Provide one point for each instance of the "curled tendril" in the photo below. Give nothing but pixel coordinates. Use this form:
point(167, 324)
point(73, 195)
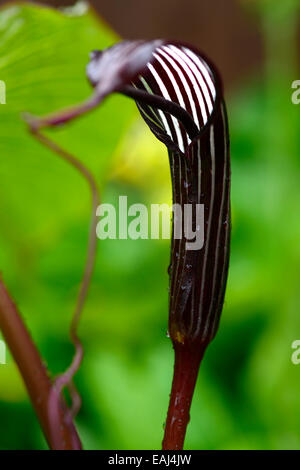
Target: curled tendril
point(56, 402)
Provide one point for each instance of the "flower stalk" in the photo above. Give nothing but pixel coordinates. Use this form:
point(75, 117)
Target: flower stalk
point(35, 375)
point(186, 367)
point(179, 95)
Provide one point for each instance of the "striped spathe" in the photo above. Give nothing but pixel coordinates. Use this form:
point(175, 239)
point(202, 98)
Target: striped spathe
point(200, 170)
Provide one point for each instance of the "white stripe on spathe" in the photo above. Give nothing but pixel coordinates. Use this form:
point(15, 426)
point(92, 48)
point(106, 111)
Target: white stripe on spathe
point(177, 255)
point(167, 96)
point(147, 87)
point(228, 215)
point(198, 75)
point(211, 207)
point(182, 240)
point(199, 175)
point(210, 312)
point(175, 85)
point(185, 84)
point(165, 123)
point(178, 58)
point(203, 69)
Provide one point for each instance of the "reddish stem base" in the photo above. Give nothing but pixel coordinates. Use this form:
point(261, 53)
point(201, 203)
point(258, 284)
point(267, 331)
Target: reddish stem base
point(186, 367)
point(34, 375)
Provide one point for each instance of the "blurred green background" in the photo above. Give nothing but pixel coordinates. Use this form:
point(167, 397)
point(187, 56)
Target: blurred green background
point(247, 396)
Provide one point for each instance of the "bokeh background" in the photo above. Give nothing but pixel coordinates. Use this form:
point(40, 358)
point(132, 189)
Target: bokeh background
point(247, 396)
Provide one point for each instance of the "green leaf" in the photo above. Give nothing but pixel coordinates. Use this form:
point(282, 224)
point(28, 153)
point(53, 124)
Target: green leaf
point(43, 55)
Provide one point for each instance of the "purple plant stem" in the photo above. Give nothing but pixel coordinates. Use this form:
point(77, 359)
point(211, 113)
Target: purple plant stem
point(186, 367)
point(35, 375)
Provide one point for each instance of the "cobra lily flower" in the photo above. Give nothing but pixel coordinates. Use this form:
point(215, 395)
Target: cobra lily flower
point(179, 95)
